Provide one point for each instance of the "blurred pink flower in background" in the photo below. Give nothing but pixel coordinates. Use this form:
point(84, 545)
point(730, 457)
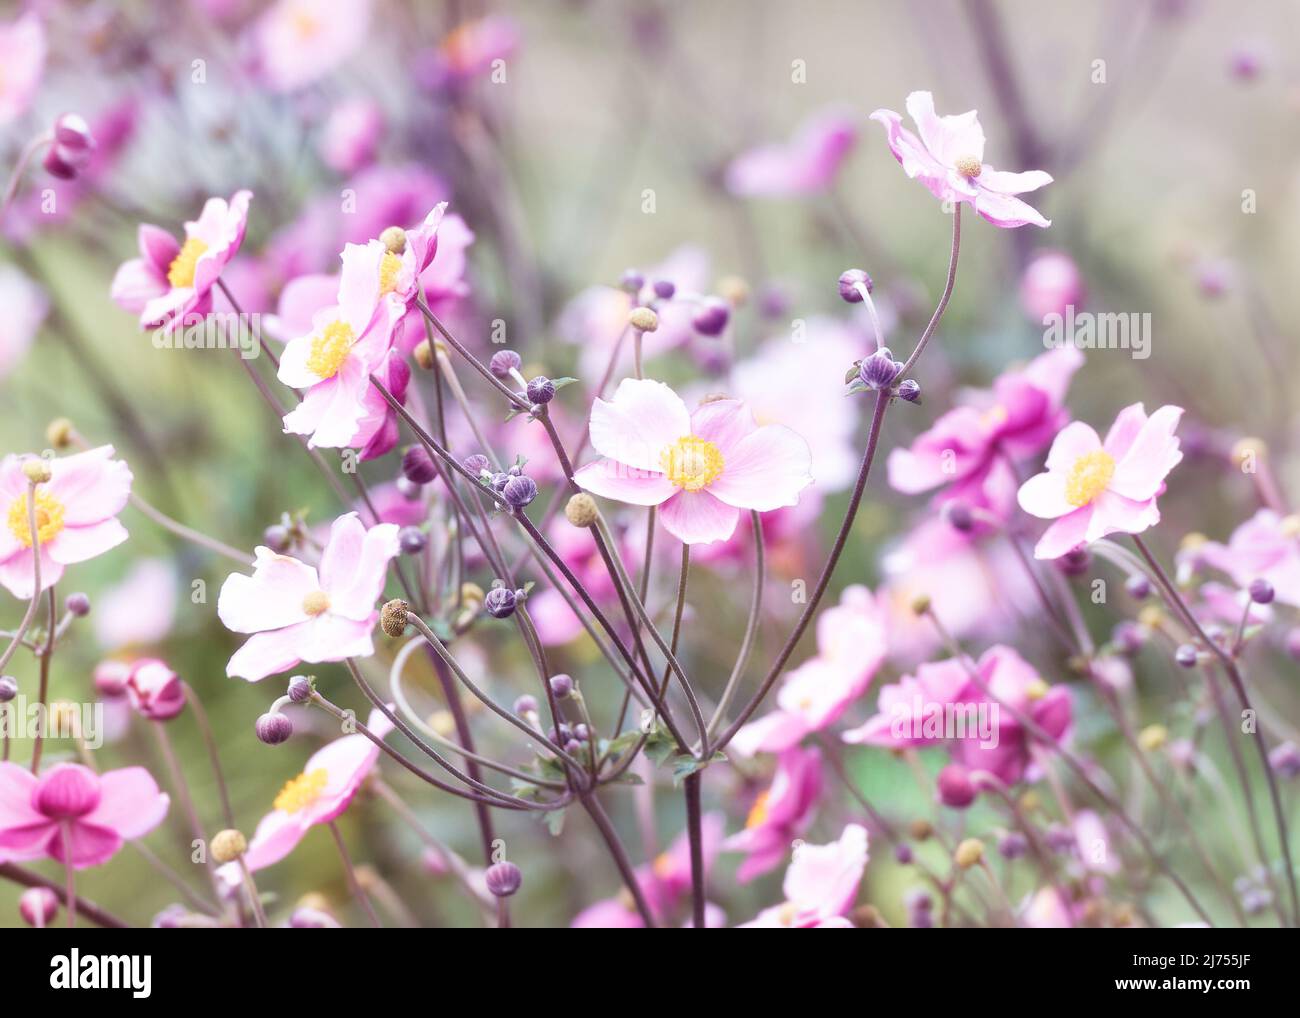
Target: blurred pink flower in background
point(1050, 283)
point(298, 42)
point(74, 816)
point(352, 134)
point(1266, 546)
point(948, 158)
point(25, 307)
point(299, 613)
point(470, 50)
point(820, 885)
point(76, 516)
point(138, 611)
point(806, 164)
point(1092, 489)
point(22, 55)
point(780, 814)
point(700, 468)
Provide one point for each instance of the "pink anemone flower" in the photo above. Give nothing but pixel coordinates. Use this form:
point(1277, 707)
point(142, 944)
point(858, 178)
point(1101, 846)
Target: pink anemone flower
point(1093, 488)
point(73, 815)
point(325, 788)
point(1266, 546)
point(298, 42)
point(806, 164)
point(22, 55)
point(780, 814)
point(297, 612)
point(76, 516)
point(820, 885)
point(171, 284)
point(948, 158)
point(699, 468)
point(25, 307)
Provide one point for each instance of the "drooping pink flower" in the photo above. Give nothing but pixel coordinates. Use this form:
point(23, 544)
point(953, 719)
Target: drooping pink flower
point(850, 648)
point(1092, 489)
point(25, 307)
point(966, 451)
point(664, 882)
point(329, 781)
point(22, 55)
point(820, 885)
point(170, 283)
point(76, 516)
point(780, 814)
point(73, 815)
point(298, 42)
point(156, 692)
point(470, 50)
point(352, 135)
point(1266, 546)
point(804, 165)
point(297, 612)
point(948, 158)
point(700, 468)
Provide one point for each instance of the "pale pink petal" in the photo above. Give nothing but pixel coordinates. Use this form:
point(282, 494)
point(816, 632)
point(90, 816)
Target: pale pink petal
point(269, 599)
point(1044, 495)
point(948, 138)
point(333, 638)
point(135, 284)
point(1004, 182)
point(77, 544)
point(267, 653)
point(1128, 423)
point(765, 470)
point(1074, 440)
point(1066, 534)
point(643, 419)
point(16, 785)
point(91, 485)
point(293, 370)
point(612, 479)
point(130, 803)
point(1005, 211)
point(18, 578)
point(912, 154)
point(158, 248)
point(1114, 513)
point(355, 564)
point(1154, 452)
point(773, 733)
point(696, 517)
point(724, 422)
point(277, 835)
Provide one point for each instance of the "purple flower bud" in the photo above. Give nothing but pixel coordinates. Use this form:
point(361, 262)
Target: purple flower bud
point(903, 853)
point(503, 879)
point(59, 163)
point(1012, 845)
point(500, 602)
point(1293, 644)
point(299, 689)
point(1261, 591)
point(503, 362)
point(632, 281)
point(573, 747)
point(476, 464)
point(518, 491)
point(526, 705)
point(955, 787)
point(849, 280)
point(306, 918)
point(712, 317)
point(156, 692)
point(1060, 838)
point(110, 678)
point(407, 488)
point(8, 688)
point(1138, 587)
point(170, 918)
point(411, 540)
point(910, 390)
point(541, 389)
point(274, 728)
point(1185, 655)
point(1075, 562)
point(664, 289)
point(921, 920)
point(959, 516)
point(77, 604)
point(66, 791)
point(1127, 637)
point(917, 899)
point(1285, 759)
point(879, 370)
point(418, 466)
point(277, 538)
point(73, 133)
point(38, 906)
point(561, 685)
point(581, 732)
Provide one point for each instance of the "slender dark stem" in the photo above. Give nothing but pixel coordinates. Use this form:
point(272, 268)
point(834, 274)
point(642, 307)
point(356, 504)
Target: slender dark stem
point(616, 849)
point(354, 885)
point(695, 834)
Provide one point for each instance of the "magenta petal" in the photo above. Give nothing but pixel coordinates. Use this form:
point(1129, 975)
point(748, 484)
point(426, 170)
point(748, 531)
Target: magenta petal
point(130, 803)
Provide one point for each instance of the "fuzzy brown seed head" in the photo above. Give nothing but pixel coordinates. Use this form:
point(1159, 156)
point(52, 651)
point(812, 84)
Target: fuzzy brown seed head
point(59, 433)
point(1152, 616)
point(36, 470)
point(1153, 737)
point(471, 595)
point(968, 166)
point(394, 238)
point(392, 617)
point(423, 354)
point(228, 845)
point(868, 917)
point(969, 853)
point(643, 320)
point(581, 510)
point(920, 604)
point(921, 829)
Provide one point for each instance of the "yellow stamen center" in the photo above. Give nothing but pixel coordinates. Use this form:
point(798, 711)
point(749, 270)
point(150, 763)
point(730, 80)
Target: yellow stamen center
point(389, 266)
point(663, 865)
point(49, 518)
point(330, 349)
point(786, 916)
point(994, 417)
point(968, 166)
point(1088, 477)
point(304, 23)
point(300, 792)
point(692, 463)
point(316, 603)
point(758, 812)
point(181, 271)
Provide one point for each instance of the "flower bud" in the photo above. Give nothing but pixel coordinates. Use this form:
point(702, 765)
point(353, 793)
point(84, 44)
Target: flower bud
point(306, 918)
point(849, 281)
point(921, 829)
point(541, 389)
point(1284, 758)
point(1293, 644)
point(921, 604)
point(77, 605)
point(969, 853)
point(503, 879)
point(1128, 637)
point(581, 510)
point(1153, 737)
point(424, 354)
point(526, 705)
point(909, 389)
point(1138, 587)
point(903, 854)
point(36, 470)
point(955, 787)
point(66, 791)
point(476, 463)
point(61, 163)
point(392, 617)
point(273, 728)
point(1261, 591)
point(8, 688)
point(712, 317)
point(879, 370)
point(1075, 562)
point(500, 602)
point(300, 689)
point(561, 685)
point(277, 538)
point(664, 289)
point(503, 362)
point(111, 676)
point(59, 433)
point(518, 491)
point(72, 133)
point(632, 281)
point(394, 239)
point(38, 906)
point(156, 692)
point(418, 465)
point(959, 516)
point(643, 319)
point(1012, 845)
point(734, 290)
point(1186, 655)
point(228, 845)
point(411, 540)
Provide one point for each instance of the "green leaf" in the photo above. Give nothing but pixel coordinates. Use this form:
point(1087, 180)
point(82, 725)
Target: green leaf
point(685, 766)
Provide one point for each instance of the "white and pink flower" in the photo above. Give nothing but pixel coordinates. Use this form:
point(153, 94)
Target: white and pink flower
point(820, 885)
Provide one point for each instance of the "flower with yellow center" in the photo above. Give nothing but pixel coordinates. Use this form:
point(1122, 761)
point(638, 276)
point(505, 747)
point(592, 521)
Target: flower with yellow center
point(330, 349)
point(968, 166)
point(300, 792)
point(1089, 477)
point(759, 811)
point(316, 603)
point(49, 518)
point(692, 463)
point(389, 266)
point(181, 271)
